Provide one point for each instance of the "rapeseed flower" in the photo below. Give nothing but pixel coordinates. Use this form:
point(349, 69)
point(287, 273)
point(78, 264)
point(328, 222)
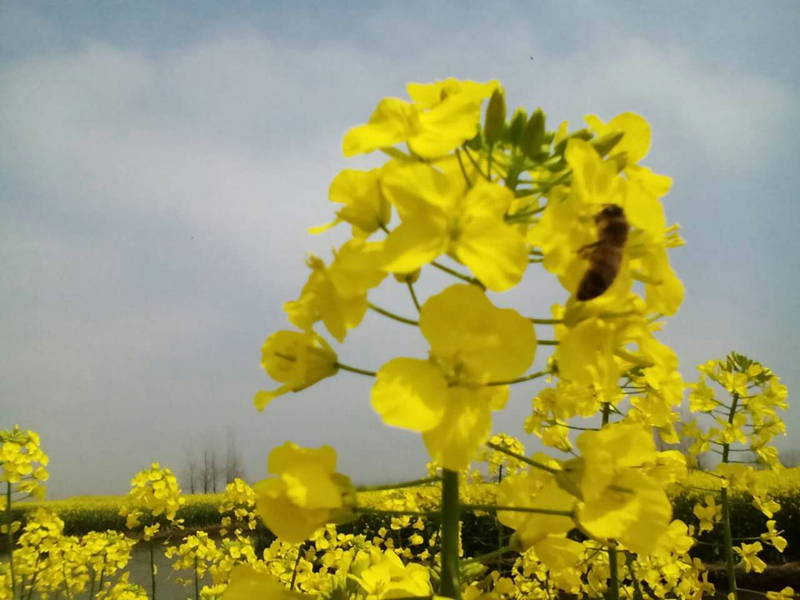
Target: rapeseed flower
point(616, 496)
point(365, 206)
point(443, 116)
point(298, 360)
point(440, 215)
point(445, 397)
point(337, 295)
point(305, 494)
point(247, 583)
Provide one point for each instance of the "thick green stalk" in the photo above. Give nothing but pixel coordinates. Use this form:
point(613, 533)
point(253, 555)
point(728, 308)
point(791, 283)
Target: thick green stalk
point(612, 548)
point(730, 567)
point(613, 567)
point(397, 486)
point(196, 581)
point(10, 541)
point(450, 585)
point(726, 528)
point(153, 567)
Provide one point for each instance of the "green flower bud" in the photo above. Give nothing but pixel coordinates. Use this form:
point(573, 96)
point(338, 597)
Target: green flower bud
point(474, 143)
point(407, 277)
point(620, 160)
point(518, 120)
point(533, 136)
point(605, 143)
point(581, 134)
point(495, 117)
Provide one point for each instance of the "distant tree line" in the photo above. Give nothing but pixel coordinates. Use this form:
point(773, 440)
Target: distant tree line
point(207, 470)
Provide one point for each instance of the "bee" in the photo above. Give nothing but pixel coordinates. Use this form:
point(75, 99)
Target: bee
point(605, 255)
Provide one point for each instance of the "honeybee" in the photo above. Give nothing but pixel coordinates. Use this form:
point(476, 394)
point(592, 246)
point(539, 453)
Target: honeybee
point(605, 255)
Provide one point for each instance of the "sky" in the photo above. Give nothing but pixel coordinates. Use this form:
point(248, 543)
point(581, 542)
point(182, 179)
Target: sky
point(161, 161)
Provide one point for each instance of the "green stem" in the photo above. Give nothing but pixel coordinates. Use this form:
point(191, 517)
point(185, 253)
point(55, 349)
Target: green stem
point(153, 567)
point(395, 153)
point(606, 412)
point(394, 513)
point(391, 315)
point(196, 581)
point(524, 459)
point(614, 568)
point(413, 294)
point(547, 342)
point(33, 579)
point(10, 541)
point(296, 565)
point(726, 527)
point(339, 365)
point(545, 321)
point(726, 513)
point(455, 273)
point(488, 556)
point(521, 379)
point(637, 589)
point(397, 486)
point(523, 509)
point(522, 215)
point(463, 170)
point(91, 585)
point(450, 585)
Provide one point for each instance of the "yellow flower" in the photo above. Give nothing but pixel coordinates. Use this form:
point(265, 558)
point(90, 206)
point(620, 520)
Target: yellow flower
point(786, 593)
point(445, 398)
point(337, 295)
point(388, 577)
point(539, 491)
point(306, 494)
point(248, 584)
point(749, 554)
point(561, 556)
point(445, 116)
point(702, 396)
point(365, 206)
point(440, 216)
point(298, 360)
point(773, 537)
point(619, 501)
point(567, 225)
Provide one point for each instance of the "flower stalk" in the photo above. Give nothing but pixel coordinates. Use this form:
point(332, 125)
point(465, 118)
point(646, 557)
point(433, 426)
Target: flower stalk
point(450, 585)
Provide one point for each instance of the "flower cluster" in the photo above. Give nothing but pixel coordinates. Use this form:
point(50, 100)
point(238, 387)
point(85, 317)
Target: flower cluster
point(154, 492)
point(22, 462)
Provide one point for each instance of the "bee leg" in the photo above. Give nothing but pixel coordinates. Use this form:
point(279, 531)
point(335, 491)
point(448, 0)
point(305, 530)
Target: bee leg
point(587, 250)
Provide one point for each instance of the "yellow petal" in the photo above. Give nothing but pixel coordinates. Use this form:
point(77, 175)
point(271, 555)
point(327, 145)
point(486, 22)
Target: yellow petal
point(464, 428)
point(496, 344)
point(409, 393)
point(283, 458)
point(393, 121)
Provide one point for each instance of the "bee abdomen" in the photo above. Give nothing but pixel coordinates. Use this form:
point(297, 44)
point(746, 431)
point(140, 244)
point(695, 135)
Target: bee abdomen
point(595, 282)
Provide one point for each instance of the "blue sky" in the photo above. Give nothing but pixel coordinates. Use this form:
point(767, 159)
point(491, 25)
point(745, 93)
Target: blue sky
point(161, 162)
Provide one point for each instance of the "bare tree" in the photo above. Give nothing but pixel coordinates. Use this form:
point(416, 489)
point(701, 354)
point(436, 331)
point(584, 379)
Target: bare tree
point(214, 467)
point(233, 458)
point(191, 472)
point(790, 458)
point(206, 475)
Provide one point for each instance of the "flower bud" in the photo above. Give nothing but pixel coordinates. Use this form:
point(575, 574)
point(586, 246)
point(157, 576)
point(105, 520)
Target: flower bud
point(605, 143)
point(581, 134)
point(495, 117)
point(517, 126)
point(533, 136)
point(407, 277)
